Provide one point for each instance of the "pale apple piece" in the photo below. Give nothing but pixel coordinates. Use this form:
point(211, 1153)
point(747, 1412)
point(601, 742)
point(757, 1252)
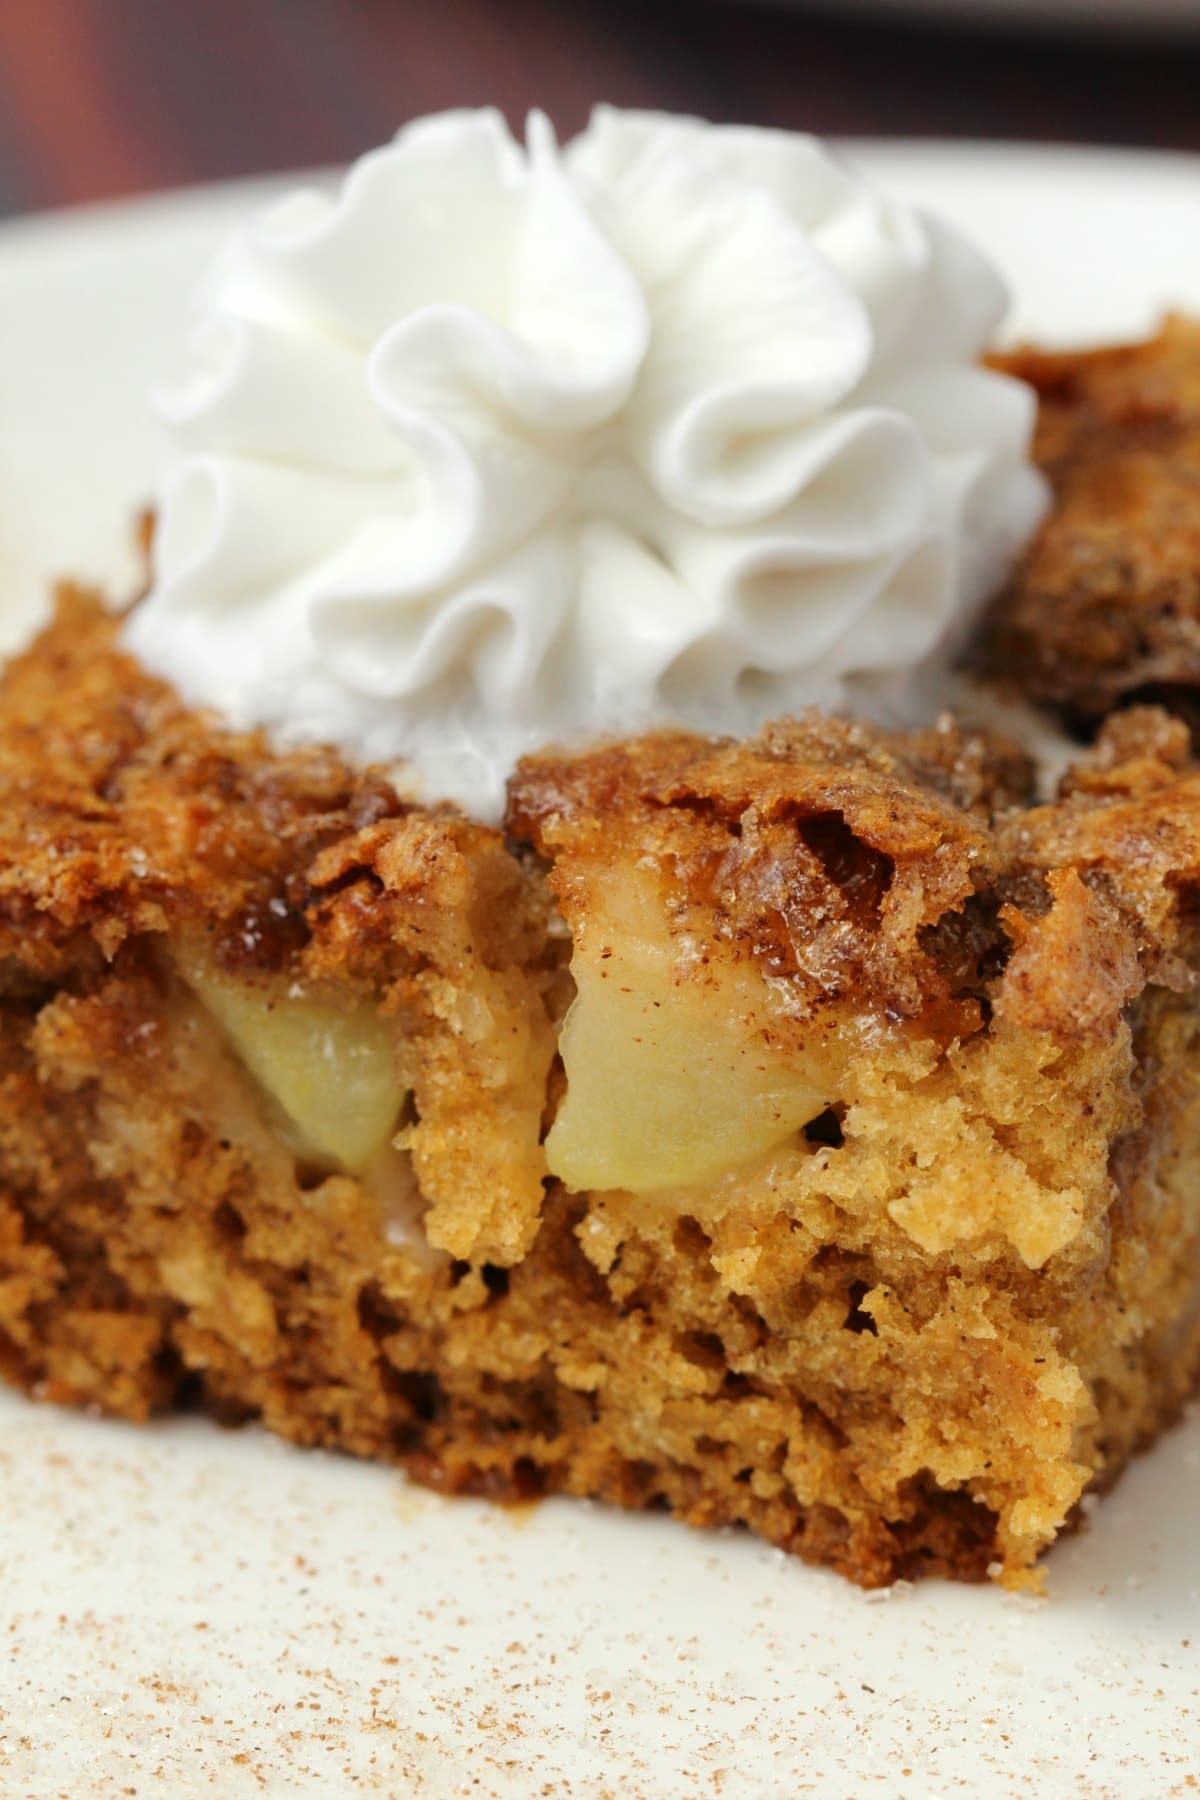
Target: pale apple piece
point(331, 1069)
point(679, 1067)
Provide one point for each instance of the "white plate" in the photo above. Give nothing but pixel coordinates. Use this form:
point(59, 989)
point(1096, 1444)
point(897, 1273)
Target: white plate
point(188, 1612)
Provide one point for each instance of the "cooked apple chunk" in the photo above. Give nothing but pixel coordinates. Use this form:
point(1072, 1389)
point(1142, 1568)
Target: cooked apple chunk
point(678, 1067)
point(332, 1069)
point(747, 927)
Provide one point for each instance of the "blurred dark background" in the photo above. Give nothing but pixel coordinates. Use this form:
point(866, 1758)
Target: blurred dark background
point(107, 97)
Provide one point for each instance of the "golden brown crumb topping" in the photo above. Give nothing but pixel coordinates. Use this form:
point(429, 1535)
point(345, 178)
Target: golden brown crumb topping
point(1129, 825)
point(858, 861)
point(825, 847)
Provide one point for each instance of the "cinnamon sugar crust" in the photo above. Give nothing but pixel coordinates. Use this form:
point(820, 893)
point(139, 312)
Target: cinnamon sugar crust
point(823, 849)
point(1105, 606)
point(905, 1335)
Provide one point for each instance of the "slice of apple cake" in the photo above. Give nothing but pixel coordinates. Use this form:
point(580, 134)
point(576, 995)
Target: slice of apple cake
point(800, 1133)
point(1104, 607)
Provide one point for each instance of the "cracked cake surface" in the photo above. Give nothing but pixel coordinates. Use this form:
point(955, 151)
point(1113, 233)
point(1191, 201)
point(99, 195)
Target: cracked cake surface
point(345, 1114)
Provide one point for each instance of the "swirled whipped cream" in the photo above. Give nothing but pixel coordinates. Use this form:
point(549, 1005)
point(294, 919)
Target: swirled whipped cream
point(507, 444)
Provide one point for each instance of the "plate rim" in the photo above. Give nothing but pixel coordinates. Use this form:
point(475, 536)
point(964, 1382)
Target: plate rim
point(983, 152)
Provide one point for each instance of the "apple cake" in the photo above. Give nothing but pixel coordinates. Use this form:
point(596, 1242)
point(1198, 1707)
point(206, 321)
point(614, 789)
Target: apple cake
point(443, 1017)
point(798, 1132)
point(1104, 608)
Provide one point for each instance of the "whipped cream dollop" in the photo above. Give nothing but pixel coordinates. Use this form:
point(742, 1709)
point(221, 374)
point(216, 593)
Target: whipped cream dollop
point(510, 444)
